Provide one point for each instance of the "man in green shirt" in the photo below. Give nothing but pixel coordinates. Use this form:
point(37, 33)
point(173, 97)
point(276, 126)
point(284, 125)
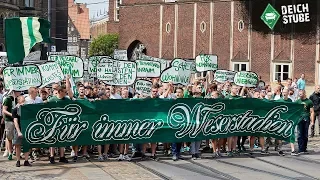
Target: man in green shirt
point(8, 105)
point(303, 126)
point(61, 96)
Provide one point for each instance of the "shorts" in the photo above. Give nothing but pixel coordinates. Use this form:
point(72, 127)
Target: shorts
point(9, 126)
point(16, 139)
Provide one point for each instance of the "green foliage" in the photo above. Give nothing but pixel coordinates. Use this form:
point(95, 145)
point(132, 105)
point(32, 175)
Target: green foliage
point(104, 45)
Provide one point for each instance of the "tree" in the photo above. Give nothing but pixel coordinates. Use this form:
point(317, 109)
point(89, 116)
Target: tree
point(104, 45)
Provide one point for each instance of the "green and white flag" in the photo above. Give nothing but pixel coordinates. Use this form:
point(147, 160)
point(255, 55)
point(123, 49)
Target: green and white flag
point(22, 33)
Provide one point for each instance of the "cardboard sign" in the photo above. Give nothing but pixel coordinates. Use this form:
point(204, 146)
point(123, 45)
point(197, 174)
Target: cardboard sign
point(143, 87)
point(120, 55)
point(223, 76)
point(179, 72)
point(124, 73)
point(51, 73)
point(246, 79)
point(206, 63)
point(164, 63)
point(69, 63)
point(148, 68)
point(93, 63)
point(21, 78)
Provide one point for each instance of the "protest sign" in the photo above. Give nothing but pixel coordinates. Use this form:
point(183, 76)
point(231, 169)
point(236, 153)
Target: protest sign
point(22, 78)
point(66, 62)
point(67, 123)
point(143, 87)
point(206, 63)
point(192, 65)
point(179, 72)
point(164, 63)
point(124, 73)
point(120, 54)
point(246, 79)
point(148, 68)
point(93, 63)
point(223, 76)
point(51, 73)
point(105, 71)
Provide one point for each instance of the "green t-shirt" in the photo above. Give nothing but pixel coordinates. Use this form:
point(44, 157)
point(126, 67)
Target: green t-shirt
point(9, 103)
point(283, 100)
point(307, 106)
point(186, 94)
point(56, 99)
point(232, 97)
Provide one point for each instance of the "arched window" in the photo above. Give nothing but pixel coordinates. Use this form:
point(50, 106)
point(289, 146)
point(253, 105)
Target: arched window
point(203, 26)
point(240, 25)
point(168, 27)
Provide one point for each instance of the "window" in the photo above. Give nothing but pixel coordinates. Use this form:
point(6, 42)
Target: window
point(281, 71)
point(240, 66)
point(75, 39)
point(29, 3)
point(69, 39)
point(240, 25)
point(168, 27)
point(203, 26)
point(117, 10)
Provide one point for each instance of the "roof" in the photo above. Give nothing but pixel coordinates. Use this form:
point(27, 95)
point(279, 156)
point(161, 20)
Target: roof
point(79, 15)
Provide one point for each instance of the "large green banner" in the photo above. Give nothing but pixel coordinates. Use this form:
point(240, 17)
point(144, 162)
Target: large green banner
point(155, 120)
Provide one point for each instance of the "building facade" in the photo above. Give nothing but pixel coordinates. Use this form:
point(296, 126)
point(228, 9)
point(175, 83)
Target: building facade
point(78, 29)
point(37, 8)
point(183, 29)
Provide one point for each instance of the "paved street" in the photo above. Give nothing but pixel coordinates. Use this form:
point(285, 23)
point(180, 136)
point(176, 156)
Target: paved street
point(243, 167)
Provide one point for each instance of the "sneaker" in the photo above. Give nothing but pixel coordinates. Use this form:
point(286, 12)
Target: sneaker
point(264, 152)
point(10, 157)
point(294, 153)
point(194, 157)
point(214, 155)
point(126, 157)
point(306, 152)
point(51, 159)
point(236, 153)
point(120, 158)
point(100, 158)
point(180, 157)
point(251, 152)
point(182, 150)
point(186, 149)
point(63, 159)
point(105, 156)
point(14, 153)
point(155, 158)
point(72, 153)
point(281, 153)
point(6, 153)
point(26, 163)
point(218, 154)
point(230, 154)
point(86, 156)
point(198, 156)
point(174, 158)
point(18, 164)
point(143, 156)
point(75, 158)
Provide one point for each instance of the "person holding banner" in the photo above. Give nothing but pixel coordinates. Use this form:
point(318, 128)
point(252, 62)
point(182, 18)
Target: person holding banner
point(17, 140)
point(176, 147)
point(61, 96)
point(215, 142)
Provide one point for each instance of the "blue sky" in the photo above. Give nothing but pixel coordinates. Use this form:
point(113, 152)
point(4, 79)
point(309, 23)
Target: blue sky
point(95, 8)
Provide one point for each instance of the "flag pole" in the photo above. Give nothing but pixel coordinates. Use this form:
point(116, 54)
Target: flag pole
point(49, 19)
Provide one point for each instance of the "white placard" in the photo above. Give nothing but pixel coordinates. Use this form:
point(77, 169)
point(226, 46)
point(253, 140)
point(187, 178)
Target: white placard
point(179, 72)
point(69, 63)
point(143, 87)
point(246, 79)
point(120, 54)
point(206, 63)
point(148, 69)
point(22, 78)
point(124, 73)
point(93, 63)
point(51, 73)
point(223, 76)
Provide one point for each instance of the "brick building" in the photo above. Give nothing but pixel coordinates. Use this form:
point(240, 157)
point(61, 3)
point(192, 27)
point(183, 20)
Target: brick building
point(183, 28)
point(78, 29)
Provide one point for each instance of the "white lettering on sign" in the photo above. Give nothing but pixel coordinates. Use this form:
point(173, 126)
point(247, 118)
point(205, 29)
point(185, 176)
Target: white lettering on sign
point(295, 13)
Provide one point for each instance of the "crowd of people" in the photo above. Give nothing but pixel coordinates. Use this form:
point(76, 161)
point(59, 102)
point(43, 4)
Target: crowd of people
point(292, 91)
